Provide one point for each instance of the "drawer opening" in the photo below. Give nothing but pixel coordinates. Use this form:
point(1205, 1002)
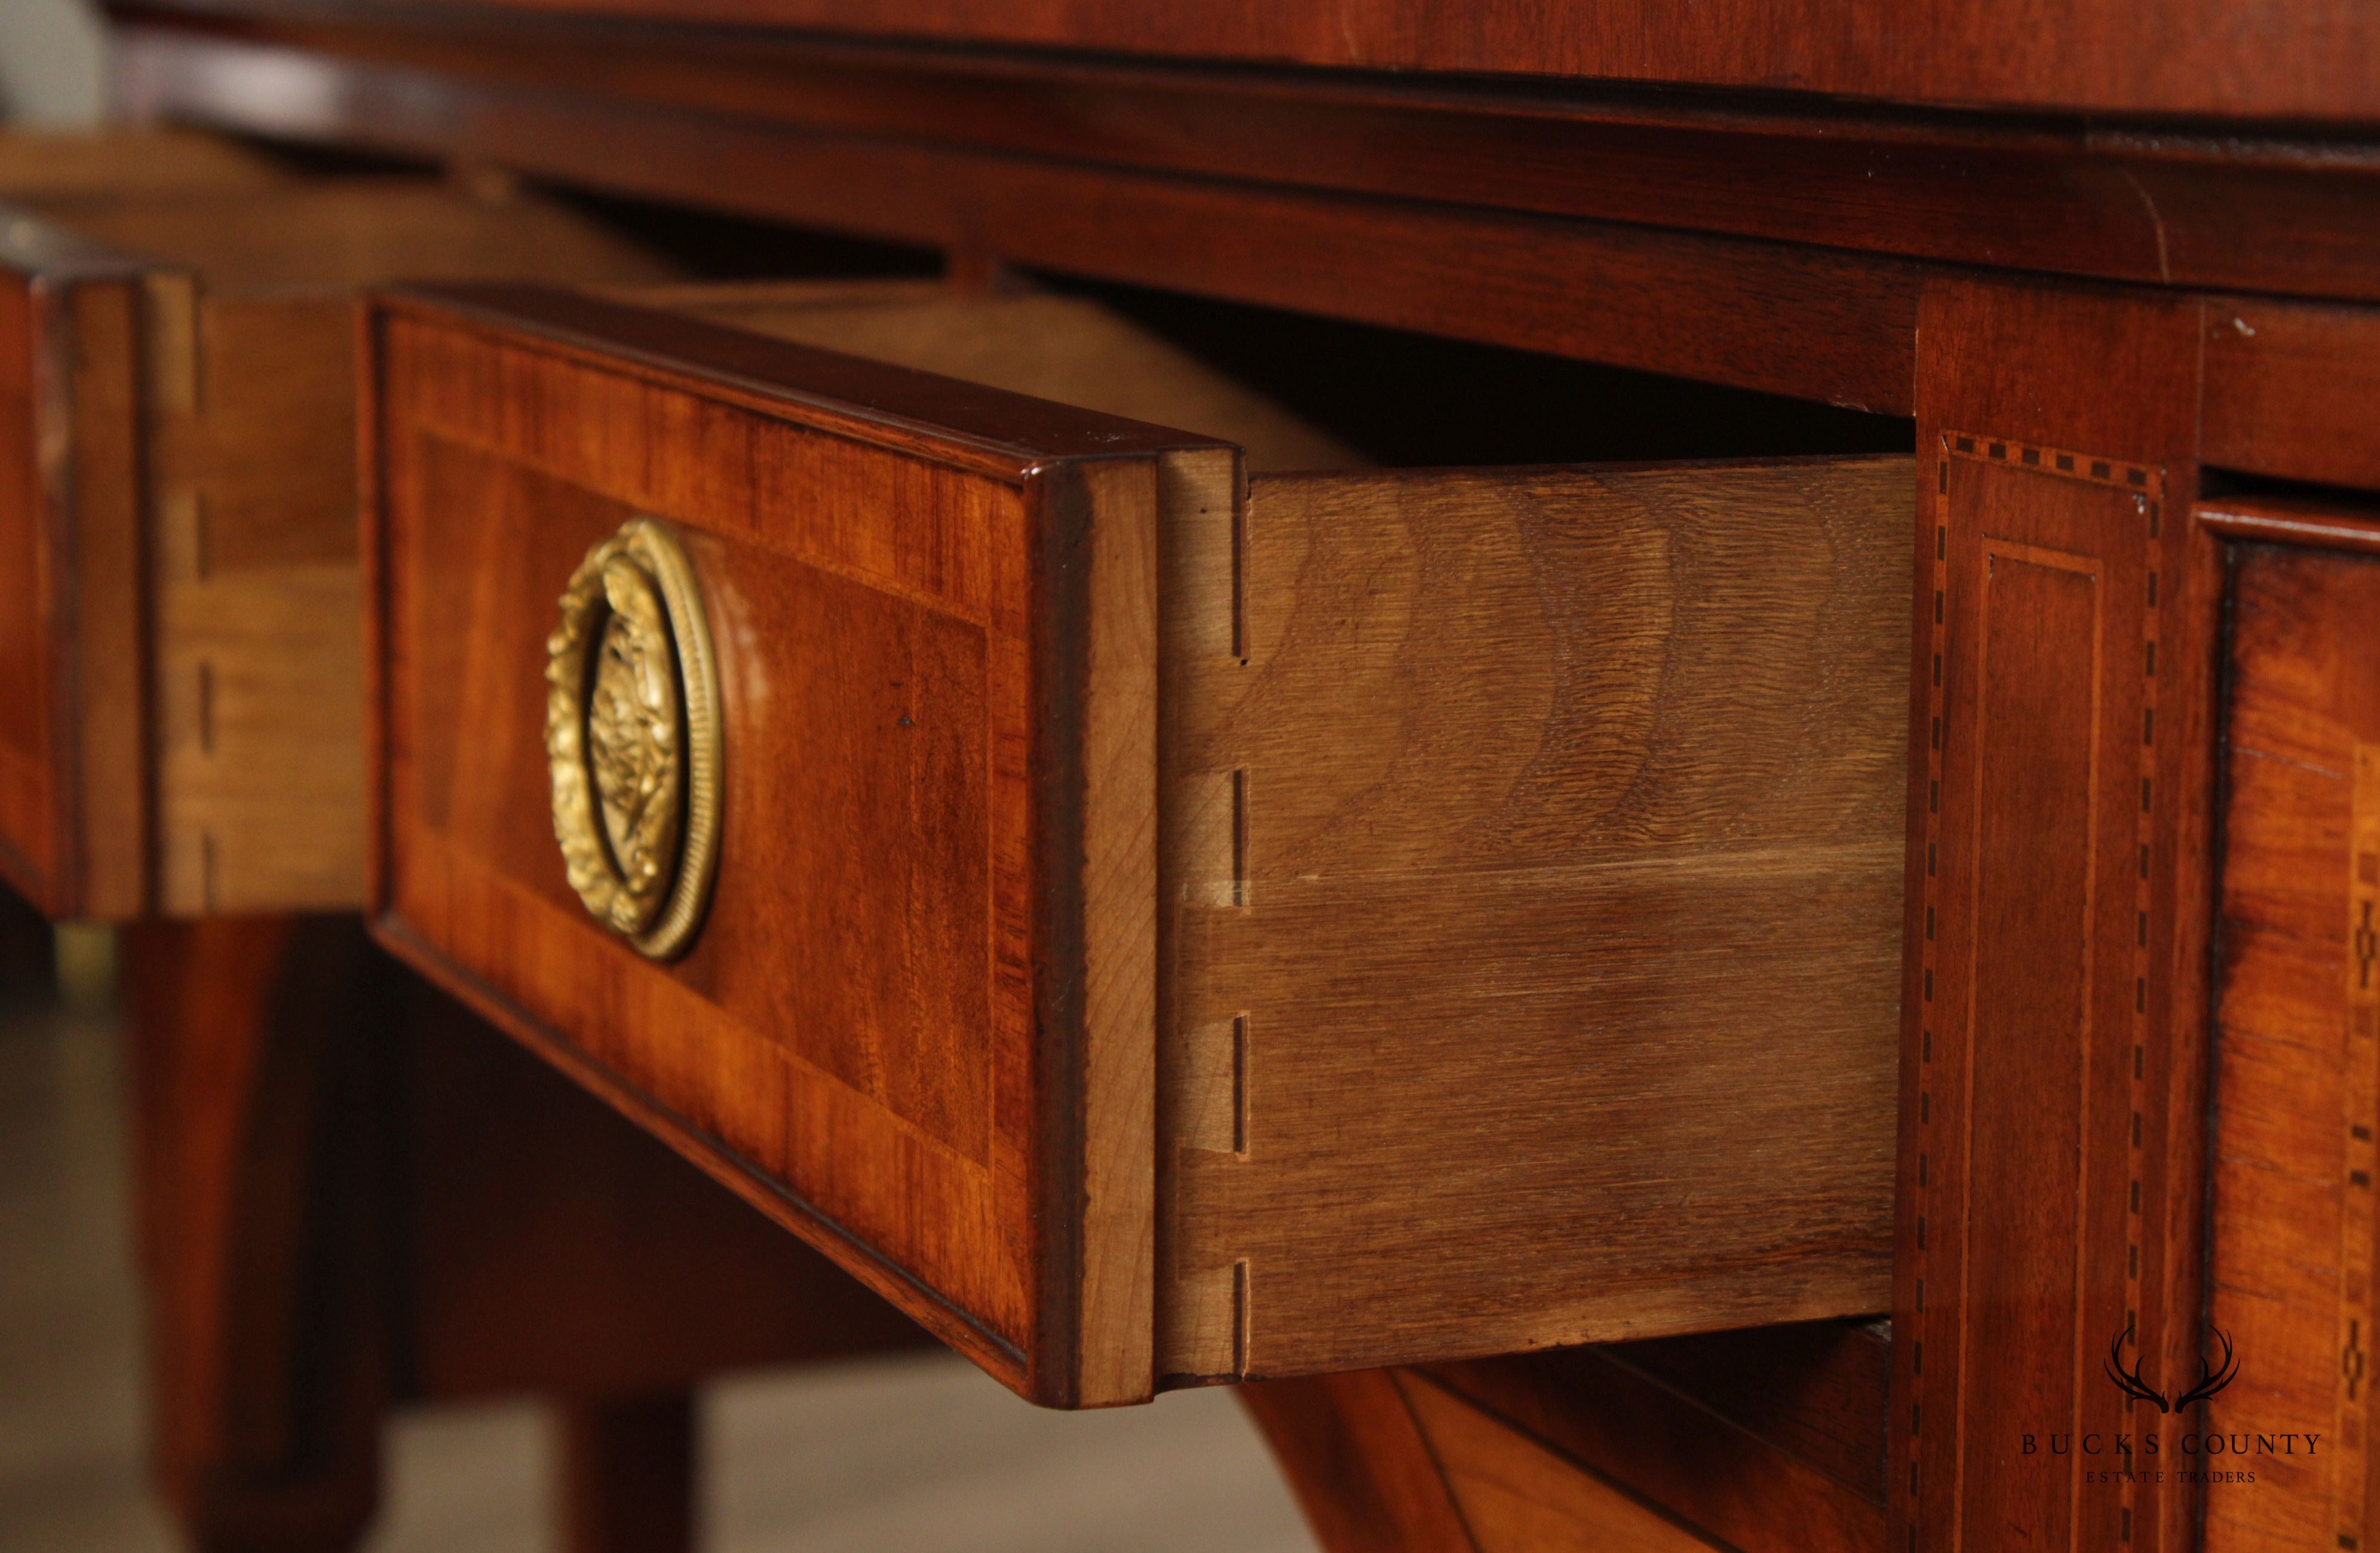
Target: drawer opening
point(1405, 400)
point(1484, 879)
point(1296, 392)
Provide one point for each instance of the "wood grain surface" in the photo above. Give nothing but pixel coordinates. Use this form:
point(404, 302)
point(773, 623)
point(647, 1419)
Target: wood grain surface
point(1541, 1454)
point(2044, 1085)
point(897, 1028)
point(2311, 61)
point(2287, 389)
point(1768, 1440)
point(2257, 209)
point(37, 163)
point(1051, 347)
point(825, 1041)
point(258, 733)
point(1456, 758)
point(2311, 520)
point(184, 675)
point(2297, 1093)
point(550, 1248)
point(2062, 782)
point(1516, 1494)
point(1363, 1470)
point(343, 232)
point(1787, 317)
point(352, 1194)
point(253, 1047)
point(73, 835)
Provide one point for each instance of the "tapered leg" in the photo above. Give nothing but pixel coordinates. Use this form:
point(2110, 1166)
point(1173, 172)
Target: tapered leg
point(627, 1474)
point(252, 1053)
point(338, 1168)
point(27, 963)
point(1355, 1457)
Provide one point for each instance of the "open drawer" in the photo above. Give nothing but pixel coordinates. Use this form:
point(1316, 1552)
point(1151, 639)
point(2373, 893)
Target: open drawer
point(180, 685)
point(1157, 923)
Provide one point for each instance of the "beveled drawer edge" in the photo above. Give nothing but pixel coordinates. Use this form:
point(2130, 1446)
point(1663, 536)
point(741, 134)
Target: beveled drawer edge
point(789, 1210)
point(914, 413)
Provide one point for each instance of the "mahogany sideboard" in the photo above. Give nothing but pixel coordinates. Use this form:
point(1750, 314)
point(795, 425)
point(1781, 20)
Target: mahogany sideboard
point(1781, 648)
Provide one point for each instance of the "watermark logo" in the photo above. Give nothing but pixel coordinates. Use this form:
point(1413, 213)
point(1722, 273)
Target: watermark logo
point(2148, 1456)
point(2210, 1377)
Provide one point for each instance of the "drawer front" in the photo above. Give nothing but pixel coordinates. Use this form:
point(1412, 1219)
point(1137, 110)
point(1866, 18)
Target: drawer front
point(180, 662)
point(71, 764)
point(916, 1018)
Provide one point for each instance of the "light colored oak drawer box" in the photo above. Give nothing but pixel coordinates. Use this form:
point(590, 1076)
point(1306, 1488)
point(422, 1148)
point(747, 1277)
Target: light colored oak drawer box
point(1159, 923)
point(180, 685)
point(130, 159)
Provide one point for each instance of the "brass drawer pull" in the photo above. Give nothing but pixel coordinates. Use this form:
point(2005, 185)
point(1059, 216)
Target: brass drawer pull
point(632, 737)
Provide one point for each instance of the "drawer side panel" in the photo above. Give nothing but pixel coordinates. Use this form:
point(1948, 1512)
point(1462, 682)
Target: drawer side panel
point(1536, 883)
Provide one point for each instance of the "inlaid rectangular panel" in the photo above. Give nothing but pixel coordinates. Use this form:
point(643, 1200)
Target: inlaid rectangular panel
point(933, 927)
point(2059, 774)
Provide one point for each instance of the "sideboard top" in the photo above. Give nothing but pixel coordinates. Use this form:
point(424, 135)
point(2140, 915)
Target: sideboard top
point(2316, 60)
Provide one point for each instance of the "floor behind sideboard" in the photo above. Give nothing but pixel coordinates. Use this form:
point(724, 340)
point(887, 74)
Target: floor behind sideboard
point(921, 1453)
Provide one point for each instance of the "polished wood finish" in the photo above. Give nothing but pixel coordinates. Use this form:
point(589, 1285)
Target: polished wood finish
point(1770, 1440)
point(1326, 770)
point(2080, 53)
point(353, 1194)
point(1363, 1470)
point(1811, 1389)
point(72, 838)
point(1533, 1455)
point(2060, 781)
point(1667, 230)
point(258, 1154)
point(1050, 346)
point(2254, 209)
point(2314, 522)
point(1515, 1494)
point(340, 232)
point(1443, 747)
point(2298, 1092)
point(975, 926)
point(1778, 317)
point(43, 164)
point(2288, 385)
point(182, 657)
point(552, 1249)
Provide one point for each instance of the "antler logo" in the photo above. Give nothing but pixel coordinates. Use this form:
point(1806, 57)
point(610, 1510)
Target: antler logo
point(2210, 1377)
